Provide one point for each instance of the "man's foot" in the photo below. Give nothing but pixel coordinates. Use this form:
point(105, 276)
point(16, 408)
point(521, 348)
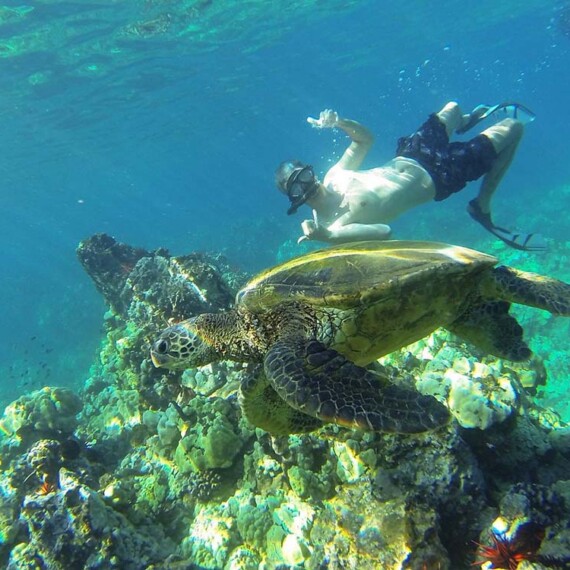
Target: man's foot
point(525, 242)
point(477, 115)
point(478, 215)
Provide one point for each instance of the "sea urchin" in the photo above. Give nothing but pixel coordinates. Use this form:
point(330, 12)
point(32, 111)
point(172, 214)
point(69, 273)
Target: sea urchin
point(507, 552)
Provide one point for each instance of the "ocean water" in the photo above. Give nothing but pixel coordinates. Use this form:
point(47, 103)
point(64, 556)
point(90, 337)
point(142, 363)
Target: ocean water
point(161, 123)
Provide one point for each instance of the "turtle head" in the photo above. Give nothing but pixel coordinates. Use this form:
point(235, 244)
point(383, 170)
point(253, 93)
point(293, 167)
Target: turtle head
point(182, 346)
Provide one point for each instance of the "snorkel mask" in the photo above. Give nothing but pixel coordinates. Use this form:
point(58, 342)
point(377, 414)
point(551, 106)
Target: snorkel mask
point(300, 187)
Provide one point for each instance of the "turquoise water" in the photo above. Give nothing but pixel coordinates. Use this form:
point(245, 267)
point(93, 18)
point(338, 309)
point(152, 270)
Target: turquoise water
point(161, 123)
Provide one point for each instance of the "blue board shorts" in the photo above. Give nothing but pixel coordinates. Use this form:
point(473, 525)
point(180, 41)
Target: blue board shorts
point(450, 165)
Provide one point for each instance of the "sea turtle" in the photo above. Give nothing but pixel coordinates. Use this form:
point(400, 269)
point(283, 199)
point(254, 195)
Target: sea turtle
point(315, 321)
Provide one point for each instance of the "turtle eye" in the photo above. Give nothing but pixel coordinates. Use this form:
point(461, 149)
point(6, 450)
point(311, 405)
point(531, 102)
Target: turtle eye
point(161, 347)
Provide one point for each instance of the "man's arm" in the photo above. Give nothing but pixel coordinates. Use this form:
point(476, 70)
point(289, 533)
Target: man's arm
point(362, 138)
point(337, 233)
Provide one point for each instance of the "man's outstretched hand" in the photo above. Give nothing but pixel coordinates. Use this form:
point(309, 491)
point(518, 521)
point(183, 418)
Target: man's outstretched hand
point(328, 119)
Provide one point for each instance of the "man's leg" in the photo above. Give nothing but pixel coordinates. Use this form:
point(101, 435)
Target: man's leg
point(456, 122)
point(505, 138)
point(451, 116)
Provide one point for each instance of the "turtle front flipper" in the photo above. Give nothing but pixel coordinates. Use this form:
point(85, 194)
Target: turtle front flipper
point(529, 289)
point(263, 408)
point(322, 383)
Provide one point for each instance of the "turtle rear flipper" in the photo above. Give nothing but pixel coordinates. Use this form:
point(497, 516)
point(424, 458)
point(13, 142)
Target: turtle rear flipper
point(489, 326)
point(263, 408)
point(529, 289)
point(324, 384)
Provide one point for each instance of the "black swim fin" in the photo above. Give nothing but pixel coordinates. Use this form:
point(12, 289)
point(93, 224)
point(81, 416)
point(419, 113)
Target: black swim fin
point(511, 110)
point(508, 109)
point(524, 242)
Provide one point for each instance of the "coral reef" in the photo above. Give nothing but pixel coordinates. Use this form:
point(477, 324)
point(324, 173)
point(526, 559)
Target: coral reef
point(153, 469)
point(148, 285)
point(47, 411)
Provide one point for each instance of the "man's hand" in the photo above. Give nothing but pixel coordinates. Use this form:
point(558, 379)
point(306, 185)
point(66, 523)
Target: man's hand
point(328, 119)
point(313, 231)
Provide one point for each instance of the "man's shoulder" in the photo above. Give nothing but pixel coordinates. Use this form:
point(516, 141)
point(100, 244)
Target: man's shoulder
point(336, 173)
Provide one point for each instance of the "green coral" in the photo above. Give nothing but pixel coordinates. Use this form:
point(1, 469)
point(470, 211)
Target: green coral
point(167, 427)
point(45, 410)
point(212, 443)
point(255, 519)
point(306, 484)
point(112, 409)
point(212, 538)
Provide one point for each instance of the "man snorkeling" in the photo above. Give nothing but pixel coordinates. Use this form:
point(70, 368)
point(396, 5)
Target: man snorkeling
point(351, 204)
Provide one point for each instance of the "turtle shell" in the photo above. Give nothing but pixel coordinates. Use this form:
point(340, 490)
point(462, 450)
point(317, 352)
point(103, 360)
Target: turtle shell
point(349, 275)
